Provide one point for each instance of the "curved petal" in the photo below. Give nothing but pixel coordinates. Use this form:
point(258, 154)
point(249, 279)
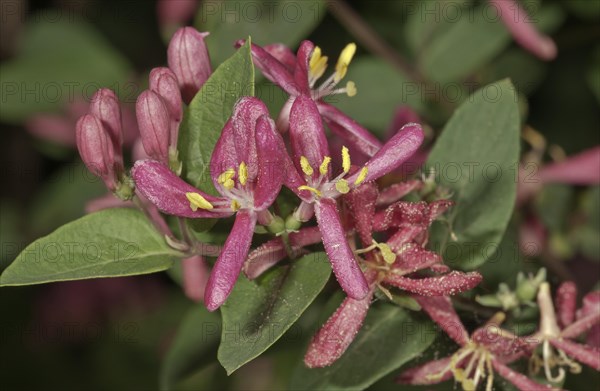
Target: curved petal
point(272, 68)
point(224, 155)
point(581, 169)
point(441, 311)
point(167, 191)
point(246, 113)
point(362, 205)
point(332, 340)
point(448, 284)
point(230, 261)
point(283, 54)
point(307, 136)
point(519, 380)
point(394, 152)
point(302, 66)
point(431, 372)
point(271, 150)
point(348, 129)
point(581, 325)
point(340, 255)
point(397, 191)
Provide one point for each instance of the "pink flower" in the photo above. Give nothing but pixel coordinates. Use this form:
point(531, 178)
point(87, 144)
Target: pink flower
point(245, 169)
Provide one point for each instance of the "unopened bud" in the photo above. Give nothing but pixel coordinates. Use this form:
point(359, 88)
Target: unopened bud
point(154, 123)
point(96, 149)
point(105, 106)
point(188, 58)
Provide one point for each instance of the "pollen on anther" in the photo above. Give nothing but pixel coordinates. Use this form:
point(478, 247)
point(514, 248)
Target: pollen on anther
point(243, 173)
point(324, 167)
point(198, 202)
point(346, 162)
point(362, 175)
point(342, 186)
point(306, 167)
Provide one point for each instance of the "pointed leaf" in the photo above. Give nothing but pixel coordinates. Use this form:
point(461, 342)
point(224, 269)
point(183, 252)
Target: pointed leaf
point(110, 243)
point(259, 312)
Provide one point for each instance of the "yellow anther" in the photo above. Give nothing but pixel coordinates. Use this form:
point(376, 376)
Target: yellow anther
point(345, 57)
point(362, 175)
point(243, 173)
point(198, 202)
point(324, 167)
point(226, 176)
point(351, 89)
point(306, 167)
point(342, 186)
point(229, 184)
point(388, 255)
point(235, 206)
point(317, 64)
point(346, 163)
point(311, 189)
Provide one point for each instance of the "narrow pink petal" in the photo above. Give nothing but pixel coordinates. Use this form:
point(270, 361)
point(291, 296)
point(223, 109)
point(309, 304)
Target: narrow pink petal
point(413, 257)
point(397, 191)
point(307, 136)
point(581, 325)
point(106, 201)
point(348, 129)
point(332, 340)
point(229, 264)
point(343, 262)
point(273, 69)
point(394, 152)
point(591, 305)
point(195, 277)
point(167, 191)
point(428, 373)
point(519, 380)
point(362, 204)
point(283, 54)
point(271, 150)
point(588, 355)
point(581, 169)
point(270, 253)
point(448, 284)
point(302, 65)
point(224, 155)
point(523, 31)
point(566, 303)
point(441, 311)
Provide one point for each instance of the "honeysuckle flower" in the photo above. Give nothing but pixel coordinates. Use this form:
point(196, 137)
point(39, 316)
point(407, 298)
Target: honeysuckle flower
point(387, 264)
point(299, 75)
point(487, 350)
point(188, 58)
point(310, 154)
point(245, 169)
point(556, 334)
point(520, 26)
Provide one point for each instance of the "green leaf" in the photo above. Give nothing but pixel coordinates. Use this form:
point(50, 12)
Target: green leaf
point(389, 338)
point(209, 111)
point(194, 347)
point(110, 243)
point(476, 157)
point(381, 88)
point(283, 21)
point(463, 46)
point(60, 61)
point(259, 312)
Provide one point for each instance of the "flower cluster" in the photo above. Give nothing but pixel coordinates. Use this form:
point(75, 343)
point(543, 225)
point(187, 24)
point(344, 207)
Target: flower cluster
point(375, 240)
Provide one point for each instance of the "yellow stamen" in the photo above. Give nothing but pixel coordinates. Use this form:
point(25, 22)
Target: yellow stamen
point(362, 175)
point(317, 64)
point(198, 202)
point(342, 65)
point(311, 189)
point(342, 186)
point(346, 163)
point(325, 165)
point(306, 167)
point(351, 89)
point(243, 173)
point(226, 175)
point(235, 206)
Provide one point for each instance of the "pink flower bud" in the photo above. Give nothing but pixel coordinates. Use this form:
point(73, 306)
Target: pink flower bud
point(95, 148)
point(105, 106)
point(154, 123)
point(164, 82)
point(188, 58)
